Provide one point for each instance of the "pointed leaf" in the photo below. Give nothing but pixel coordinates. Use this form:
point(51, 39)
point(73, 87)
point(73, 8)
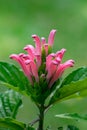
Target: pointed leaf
point(76, 75)
point(11, 124)
point(10, 101)
point(73, 83)
point(66, 91)
point(74, 116)
point(12, 77)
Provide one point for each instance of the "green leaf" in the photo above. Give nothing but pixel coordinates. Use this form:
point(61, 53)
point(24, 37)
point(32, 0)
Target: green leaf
point(12, 77)
point(73, 83)
point(10, 101)
point(60, 128)
point(76, 75)
point(11, 124)
point(30, 128)
point(83, 93)
point(74, 116)
point(71, 127)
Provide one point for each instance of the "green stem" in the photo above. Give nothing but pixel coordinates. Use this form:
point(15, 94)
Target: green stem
point(41, 117)
point(46, 108)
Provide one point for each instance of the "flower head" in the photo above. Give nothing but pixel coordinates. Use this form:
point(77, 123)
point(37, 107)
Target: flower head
point(40, 61)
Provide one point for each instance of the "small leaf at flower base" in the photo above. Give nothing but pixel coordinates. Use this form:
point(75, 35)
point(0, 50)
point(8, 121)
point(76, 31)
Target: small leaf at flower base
point(37, 91)
point(73, 116)
point(12, 77)
point(11, 124)
point(75, 82)
point(49, 49)
point(10, 101)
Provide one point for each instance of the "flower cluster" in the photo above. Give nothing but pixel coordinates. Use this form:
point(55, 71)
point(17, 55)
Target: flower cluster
point(39, 55)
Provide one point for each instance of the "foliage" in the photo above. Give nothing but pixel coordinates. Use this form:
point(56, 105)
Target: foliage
point(10, 101)
point(69, 127)
point(73, 116)
point(39, 79)
point(74, 83)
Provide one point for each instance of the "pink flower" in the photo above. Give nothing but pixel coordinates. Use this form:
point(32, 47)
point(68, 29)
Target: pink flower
point(59, 71)
point(54, 67)
point(51, 37)
point(21, 60)
point(45, 45)
point(33, 54)
point(37, 43)
point(32, 62)
point(52, 63)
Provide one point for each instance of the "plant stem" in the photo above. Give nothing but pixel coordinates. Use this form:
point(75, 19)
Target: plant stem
point(34, 121)
point(41, 117)
point(46, 108)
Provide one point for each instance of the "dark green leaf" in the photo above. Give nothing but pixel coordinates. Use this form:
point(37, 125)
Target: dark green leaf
point(10, 101)
point(30, 128)
point(71, 127)
point(60, 128)
point(11, 124)
point(12, 77)
point(67, 90)
point(74, 116)
point(74, 83)
point(76, 75)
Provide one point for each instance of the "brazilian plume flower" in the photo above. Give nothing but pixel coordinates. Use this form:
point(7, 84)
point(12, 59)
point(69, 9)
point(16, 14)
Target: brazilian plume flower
point(41, 62)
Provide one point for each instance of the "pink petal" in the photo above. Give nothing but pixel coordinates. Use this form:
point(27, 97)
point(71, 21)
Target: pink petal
point(26, 57)
point(51, 37)
point(52, 69)
point(61, 53)
point(57, 59)
point(38, 44)
point(43, 40)
point(46, 48)
point(60, 71)
point(19, 59)
point(49, 59)
point(38, 60)
point(33, 69)
point(31, 50)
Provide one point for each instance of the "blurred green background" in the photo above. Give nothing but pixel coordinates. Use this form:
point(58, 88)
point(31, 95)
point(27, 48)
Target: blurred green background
point(19, 19)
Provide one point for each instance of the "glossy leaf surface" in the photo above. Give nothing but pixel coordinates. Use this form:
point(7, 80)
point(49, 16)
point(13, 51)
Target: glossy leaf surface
point(10, 101)
point(73, 116)
point(11, 124)
point(75, 82)
point(12, 77)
